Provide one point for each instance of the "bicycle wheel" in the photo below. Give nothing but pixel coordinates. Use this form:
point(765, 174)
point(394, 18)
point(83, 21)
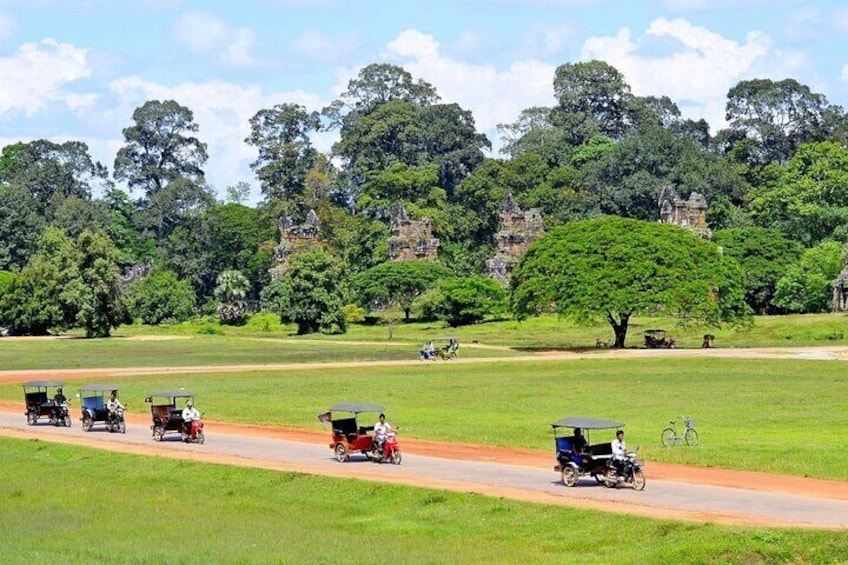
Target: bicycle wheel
point(668, 437)
point(691, 437)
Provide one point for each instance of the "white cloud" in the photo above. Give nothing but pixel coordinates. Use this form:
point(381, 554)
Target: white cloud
point(222, 111)
point(207, 34)
point(840, 20)
point(493, 96)
point(314, 45)
point(697, 75)
point(36, 74)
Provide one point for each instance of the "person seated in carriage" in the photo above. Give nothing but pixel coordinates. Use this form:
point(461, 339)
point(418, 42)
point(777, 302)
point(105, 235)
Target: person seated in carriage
point(428, 351)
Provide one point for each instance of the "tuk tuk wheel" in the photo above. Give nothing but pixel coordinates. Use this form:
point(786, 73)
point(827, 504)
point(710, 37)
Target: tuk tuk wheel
point(67, 421)
point(31, 418)
point(342, 455)
point(122, 427)
point(638, 480)
point(396, 457)
point(199, 437)
point(569, 476)
point(158, 432)
point(86, 423)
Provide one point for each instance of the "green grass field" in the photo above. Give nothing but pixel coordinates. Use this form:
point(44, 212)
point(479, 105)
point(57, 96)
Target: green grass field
point(781, 416)
point(551, 332)
point(77, 505)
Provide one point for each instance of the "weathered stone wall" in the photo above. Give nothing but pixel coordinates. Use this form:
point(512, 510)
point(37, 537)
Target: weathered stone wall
point(411, 240)
point(516, 231)
point(294, 238)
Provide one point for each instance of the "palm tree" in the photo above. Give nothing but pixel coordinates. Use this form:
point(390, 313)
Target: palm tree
point(231, 292)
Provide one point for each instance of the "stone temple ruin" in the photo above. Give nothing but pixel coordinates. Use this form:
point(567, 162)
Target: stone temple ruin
point(690, 214)
point(294, 238)
point(516, 231)
point(411, 240)
point(840, 292)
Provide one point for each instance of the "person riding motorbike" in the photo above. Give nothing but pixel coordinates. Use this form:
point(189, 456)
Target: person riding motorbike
point(112, 406)
point(60, 402)
point(381, 430)
point(190, 415)
point(619, 452)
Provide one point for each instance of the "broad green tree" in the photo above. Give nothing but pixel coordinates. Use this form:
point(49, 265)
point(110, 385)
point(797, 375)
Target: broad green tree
point(286, 155)
point(161, 297)
point(97, 294)
point(49, 170)
point(460, 301)
point(765, 255)
point(806, 286)
point(397, 283)
point(311, 296)
point(160, 147)
point(615, 268)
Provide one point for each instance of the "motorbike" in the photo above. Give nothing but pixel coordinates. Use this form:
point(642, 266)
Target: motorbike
point(629, 472)
point(60, 415)
point(115, 422)
point(194, 433)
point(389, 450)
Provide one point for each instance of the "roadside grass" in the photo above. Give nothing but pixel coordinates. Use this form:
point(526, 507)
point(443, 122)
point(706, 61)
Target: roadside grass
point(548, 332)
point(778, 416)
point(77, 353)
point(81, 505)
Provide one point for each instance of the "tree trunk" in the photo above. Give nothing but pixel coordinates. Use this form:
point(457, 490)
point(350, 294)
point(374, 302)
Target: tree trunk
point(619, 327)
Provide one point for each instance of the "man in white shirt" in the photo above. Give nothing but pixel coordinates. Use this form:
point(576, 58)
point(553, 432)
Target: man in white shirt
point(619, 450)
point(113, 405)
point(190, 414)
point(381, 429)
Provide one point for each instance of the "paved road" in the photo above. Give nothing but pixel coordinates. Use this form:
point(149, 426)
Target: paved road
point(668, 499)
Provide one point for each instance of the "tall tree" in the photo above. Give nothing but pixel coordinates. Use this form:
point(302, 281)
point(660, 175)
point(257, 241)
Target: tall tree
point(779, 116)
point(312, 295)
point(160, 147)
point(616, 268)
point(50, 170)
point(286, 154)
point(20, 226)
point(97, 295)
point(397, 283)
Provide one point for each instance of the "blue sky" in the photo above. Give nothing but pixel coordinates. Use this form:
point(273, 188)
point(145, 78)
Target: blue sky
point(76, 69)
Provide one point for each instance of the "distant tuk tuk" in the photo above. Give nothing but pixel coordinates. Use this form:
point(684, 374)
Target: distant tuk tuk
point(168, 415)
point(93, 399)
point(658, 339)
point(41, 402)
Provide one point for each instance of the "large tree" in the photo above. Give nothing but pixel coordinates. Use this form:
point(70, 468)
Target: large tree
point(397, 283)
point(160, 147)
point(20, 226)
point(311, 295)
point(49, 170)
point(616, 268)
point(286, 155)
point(779, 116)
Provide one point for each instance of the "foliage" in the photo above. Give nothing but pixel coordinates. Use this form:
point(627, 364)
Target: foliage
point(765, 255)
point(286, 155)
point(464, 301)
point(161, 297)
point(160, 148)
point(353, 314)
point(311, 296)
point(806, 287)
point(397, 283)
point(231, 291)
point(614, 268)
point(20, 226)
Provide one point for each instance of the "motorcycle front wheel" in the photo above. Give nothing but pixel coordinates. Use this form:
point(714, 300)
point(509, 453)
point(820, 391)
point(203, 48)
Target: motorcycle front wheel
point(67, 421)
point(122, 427)
point(638, 480)
point(396, 457)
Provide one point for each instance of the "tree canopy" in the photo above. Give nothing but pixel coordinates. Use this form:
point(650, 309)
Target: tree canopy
point(614, 268)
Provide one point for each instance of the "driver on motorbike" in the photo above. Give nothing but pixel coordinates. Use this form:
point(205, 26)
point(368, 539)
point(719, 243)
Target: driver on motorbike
point(59, 400)
point(619, 451)
point(113, 405)
point(381, 430)
point(190, 415)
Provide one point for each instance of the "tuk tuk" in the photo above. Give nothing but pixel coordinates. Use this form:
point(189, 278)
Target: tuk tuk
point(93, 400)
point(167, 415)
point(657, 339)
point(348, 436)
point(41, 402)
point(575, 461)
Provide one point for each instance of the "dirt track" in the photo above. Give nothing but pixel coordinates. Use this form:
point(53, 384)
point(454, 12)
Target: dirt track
point(674, 491)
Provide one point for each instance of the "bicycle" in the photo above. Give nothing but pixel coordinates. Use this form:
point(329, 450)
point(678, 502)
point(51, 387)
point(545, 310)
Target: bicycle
point(670, 437)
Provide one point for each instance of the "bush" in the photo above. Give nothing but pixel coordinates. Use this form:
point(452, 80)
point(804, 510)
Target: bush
point(464, 301)
point(353, 313)
point(161, 297)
